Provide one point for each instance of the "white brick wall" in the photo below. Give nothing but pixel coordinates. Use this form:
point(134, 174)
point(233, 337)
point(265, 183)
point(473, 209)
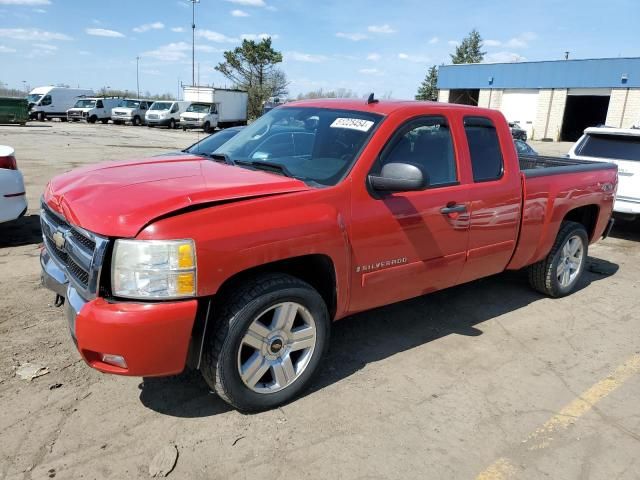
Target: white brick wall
point(550, 113)
point(624, 108)
point(443, 96)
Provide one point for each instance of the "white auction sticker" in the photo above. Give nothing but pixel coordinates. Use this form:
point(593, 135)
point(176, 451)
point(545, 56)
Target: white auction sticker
point(353, 124)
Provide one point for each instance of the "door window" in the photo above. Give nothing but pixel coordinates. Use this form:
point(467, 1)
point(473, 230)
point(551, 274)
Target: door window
point(99, 104)
point(484, 147)
point(174, 109)
point(46, 100)
point(426, 143)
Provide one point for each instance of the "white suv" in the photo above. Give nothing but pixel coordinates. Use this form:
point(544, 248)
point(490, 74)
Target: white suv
point(622, 147)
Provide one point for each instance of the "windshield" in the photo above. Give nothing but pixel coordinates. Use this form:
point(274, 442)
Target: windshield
point(617, 147)
point(199, 108)
point(316, 145)
point(161, 106)
point(130, 104)
point(213, 142)
point(85, 104)
point(34, 97)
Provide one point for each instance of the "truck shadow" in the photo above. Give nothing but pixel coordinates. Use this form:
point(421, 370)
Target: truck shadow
point(378, 334)
point(23, 231)
point(626, 230)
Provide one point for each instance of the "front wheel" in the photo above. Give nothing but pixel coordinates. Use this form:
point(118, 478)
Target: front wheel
point(207, 127)
point(558, 274)
point(172, 124)
point(136, 121)
point(104, 121)
point(270, 337)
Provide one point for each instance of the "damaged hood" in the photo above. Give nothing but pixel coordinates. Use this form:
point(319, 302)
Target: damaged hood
point(119, 198)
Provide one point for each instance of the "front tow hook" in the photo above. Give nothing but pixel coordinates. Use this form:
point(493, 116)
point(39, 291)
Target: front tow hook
point(59, 301)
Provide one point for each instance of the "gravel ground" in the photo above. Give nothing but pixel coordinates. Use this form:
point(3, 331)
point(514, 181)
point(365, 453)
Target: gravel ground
point(487, 380)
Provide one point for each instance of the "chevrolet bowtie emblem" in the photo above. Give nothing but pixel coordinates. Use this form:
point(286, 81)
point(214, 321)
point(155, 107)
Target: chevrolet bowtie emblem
point(58, 239)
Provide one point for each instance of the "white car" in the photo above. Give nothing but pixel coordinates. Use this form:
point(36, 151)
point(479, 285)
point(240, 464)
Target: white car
point(622, 147)
point(13, 198)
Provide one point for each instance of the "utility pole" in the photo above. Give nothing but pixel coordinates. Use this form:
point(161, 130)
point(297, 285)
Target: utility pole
point(193, 42)
point(138, 76)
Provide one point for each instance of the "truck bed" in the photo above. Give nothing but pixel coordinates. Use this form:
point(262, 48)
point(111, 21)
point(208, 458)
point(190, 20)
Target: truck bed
point(539, 166)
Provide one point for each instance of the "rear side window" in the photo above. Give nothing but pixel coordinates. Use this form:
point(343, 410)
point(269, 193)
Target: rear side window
point(484, 147)
point(618, 147)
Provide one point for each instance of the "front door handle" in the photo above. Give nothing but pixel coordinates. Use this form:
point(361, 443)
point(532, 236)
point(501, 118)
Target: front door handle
point(453, 208)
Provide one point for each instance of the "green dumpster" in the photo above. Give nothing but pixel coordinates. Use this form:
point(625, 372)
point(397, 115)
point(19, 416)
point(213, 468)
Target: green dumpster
point(14, 110)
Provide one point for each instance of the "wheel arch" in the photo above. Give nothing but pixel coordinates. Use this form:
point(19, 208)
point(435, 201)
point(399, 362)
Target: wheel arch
point(587, 215)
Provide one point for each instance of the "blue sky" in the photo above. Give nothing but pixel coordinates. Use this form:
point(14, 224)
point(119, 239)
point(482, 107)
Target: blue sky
point(360, 45)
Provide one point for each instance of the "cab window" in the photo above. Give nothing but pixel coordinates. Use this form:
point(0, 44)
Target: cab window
point(174, 109)
point(426, 143)
point(484, 148)
point(99, 104)
point(46, 100)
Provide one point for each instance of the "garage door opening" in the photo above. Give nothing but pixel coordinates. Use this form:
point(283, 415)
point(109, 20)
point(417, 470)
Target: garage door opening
point(582, 111)
point(464, 96)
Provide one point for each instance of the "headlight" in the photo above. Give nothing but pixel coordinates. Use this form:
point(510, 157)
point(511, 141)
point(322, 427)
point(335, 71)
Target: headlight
point(155, 269)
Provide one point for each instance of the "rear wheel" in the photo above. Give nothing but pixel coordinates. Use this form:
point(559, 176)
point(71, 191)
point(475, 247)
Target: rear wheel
point(92, 119)
point(270, 337)
point(559, 273)
point(104, 121)
point(135, 121)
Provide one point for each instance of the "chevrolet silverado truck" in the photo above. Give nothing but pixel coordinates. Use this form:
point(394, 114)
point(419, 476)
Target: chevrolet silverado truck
point(237, 261)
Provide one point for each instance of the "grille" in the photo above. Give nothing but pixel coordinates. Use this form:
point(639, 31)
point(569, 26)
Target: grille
point(77, 252)
point(152, 116)
point(122, 114)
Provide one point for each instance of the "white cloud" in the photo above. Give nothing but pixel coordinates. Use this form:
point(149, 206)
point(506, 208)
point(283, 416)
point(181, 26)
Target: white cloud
point(177, 29)
point(215, 36)
point(46, 46)
point(174, 52)
point(503, 57)
point(304, 57)
point(374, 57)
point(370, 71)
point(413, 58)
point(522, 40)
point(32, 34)
point(380, 29)
point(259, 36)
point(434, 40)
point(356, 37)
point(4, 49)
point(492, 43)
point(249, 3)
point(29, 3)
point(149, 26)
point(239, 13)
point(103, 32)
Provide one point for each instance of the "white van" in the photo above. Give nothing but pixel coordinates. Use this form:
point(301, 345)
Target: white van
point(53, 102)
point(200, 115)
point(622, 147)
point(165, 113)
point(93, 109)
point(131, 110)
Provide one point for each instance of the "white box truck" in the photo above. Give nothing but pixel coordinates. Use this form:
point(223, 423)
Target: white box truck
point(214, 107)
point(53, 102)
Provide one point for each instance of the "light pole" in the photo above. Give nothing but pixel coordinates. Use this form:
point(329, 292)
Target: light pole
point(138, 76)
point(24, 85)
point(193, 41)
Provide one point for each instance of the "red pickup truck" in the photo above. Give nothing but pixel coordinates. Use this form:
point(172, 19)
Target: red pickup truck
point(237, 261)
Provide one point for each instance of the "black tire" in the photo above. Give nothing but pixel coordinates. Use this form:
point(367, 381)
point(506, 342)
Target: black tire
point(207, 127)
point(42, 116)
point(104, 121)
point(92, 119)
point(172, 124)
point(219, 362)
point(543, 274)
point(136, 121)
point(63, 119)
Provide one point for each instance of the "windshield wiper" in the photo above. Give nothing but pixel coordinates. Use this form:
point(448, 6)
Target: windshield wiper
point(267, 166)
point(221, 157)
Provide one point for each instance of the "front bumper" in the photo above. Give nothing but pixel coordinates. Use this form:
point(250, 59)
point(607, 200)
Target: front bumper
point(153, 338)
point(627, 205)
point(121, 118)
point(191, 124)
point(161, 122)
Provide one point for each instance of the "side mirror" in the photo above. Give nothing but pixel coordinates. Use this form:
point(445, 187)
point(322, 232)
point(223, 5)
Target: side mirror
point(398, 177)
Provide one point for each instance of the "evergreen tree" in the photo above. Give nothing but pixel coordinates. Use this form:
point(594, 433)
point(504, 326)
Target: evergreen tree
point(429, 87)
point(470, 50)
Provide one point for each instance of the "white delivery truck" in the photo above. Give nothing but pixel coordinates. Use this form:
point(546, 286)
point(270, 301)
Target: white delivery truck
point(53, 102)
point(93, 109)
point(228, 107)
point(165, 113)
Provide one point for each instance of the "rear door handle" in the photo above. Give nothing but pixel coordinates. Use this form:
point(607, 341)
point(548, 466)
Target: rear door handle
point(454, 208)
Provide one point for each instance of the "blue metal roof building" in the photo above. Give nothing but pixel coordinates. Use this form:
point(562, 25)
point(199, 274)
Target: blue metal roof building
point(550, 99)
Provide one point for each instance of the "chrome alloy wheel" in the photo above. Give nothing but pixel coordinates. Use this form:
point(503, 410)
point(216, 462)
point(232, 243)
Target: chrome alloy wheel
point(277, 347)
point(570, 261)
